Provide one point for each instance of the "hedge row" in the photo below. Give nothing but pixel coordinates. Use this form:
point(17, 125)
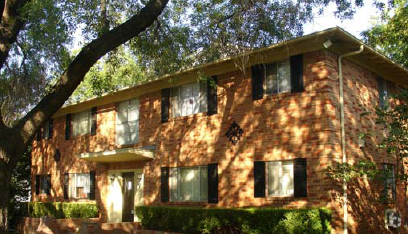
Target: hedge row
point(248, 221)
point(59, 210)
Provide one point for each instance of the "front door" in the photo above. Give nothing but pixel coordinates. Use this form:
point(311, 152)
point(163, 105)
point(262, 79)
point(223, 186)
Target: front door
point(128, 197)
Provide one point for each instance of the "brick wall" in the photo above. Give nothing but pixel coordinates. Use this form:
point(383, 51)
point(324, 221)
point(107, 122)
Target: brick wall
point(281, 126)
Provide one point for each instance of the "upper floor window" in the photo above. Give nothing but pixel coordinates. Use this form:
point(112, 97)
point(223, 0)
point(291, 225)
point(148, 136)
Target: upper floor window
point(46, 131)
point(81, 123)
point(188, 184)
point(390, 190)
point(277, 77)
point(189, 99)
point(280, 178)
point(127, 122)
point(383, 92)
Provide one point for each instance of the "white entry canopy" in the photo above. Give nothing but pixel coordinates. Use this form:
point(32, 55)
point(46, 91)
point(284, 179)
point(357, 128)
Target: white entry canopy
point(120, 155)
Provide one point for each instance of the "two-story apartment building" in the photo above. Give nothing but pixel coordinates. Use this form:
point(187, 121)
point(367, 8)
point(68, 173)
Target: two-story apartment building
point(259, 131)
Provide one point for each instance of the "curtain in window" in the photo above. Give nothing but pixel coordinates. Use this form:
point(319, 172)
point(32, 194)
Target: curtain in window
point(189, 99)
point(127, 123)
point(280, 178)
point(79, 185)
point(189, 184)
point(80, 122)
point(278, 77)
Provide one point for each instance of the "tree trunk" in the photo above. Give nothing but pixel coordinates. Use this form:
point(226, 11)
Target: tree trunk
point(5, 176)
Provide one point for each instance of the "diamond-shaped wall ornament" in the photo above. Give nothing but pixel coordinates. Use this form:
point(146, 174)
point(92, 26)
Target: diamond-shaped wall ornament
point(57, 155)
point(234, 133)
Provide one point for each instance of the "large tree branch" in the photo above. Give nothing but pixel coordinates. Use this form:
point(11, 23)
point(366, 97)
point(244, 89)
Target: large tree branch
point(11, 24)
point(77, 69)
point(2, 4)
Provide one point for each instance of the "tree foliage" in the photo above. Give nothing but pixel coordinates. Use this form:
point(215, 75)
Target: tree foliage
point(38, 72)
point(390, 34)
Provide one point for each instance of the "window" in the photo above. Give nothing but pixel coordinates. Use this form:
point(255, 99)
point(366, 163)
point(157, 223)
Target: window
point(383, 92)
point(79, 185)
point(81, 123)
point(45, 132)
point(280, 178)
point(189, 99)
point(189, 184)
point(43, 184)
point(277, 77)
point(389, 181)
point(127, 123)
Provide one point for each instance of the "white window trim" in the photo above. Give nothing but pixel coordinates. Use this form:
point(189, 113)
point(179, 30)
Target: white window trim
point(267, 179)
point(179, 184)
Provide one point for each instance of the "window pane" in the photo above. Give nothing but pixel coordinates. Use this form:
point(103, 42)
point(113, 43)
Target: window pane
point(204, 184)
point(287, 177)
point(284, 76)
point(174, 184)
point(47, 130)
point(127, 127)
point(43, 184)
point(80, 123)
point(195, 97)
point(79, 185)
point(175, 99)
point(203, 97)
point(122, 113)
point(274, 178)
point(196, 185)
point(120, 138)
point(271, 78)
point(186, 99)
point(133, 110)
point(186, 184)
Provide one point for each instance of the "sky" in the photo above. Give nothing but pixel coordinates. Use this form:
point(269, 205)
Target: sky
point(361, 21)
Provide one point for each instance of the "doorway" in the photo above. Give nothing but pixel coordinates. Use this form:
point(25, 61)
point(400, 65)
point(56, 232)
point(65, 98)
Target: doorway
point(125, 192)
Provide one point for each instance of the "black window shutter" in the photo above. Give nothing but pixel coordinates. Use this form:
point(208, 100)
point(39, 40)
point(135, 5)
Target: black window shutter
point(93, 121)
point(259, 179)
point(165, 105)
point(212, 95)
point(165, 184)
point(257, 72)
point(37, 184)
point(212, 171)
point(296, 73)
point(300, 177)
point(67, 126)
point(48, 189)
point(39, 134)
point(92, 185)
point(50, 128)
point(66, 185)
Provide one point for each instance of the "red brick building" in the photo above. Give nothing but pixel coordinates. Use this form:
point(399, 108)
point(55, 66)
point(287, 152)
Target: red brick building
point(165, 142)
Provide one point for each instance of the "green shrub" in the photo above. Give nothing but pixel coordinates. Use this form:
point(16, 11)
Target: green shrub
point(249, 221)
point(60, 210)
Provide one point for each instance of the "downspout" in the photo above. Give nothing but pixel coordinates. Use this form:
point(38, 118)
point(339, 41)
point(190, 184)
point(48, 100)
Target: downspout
point(343, 134)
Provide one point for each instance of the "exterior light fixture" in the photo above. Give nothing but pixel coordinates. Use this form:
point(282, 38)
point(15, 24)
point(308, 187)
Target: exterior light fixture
point(327, 44)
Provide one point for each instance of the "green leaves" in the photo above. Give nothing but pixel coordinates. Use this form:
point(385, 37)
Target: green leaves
point(348, 172)
point(390, 33)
